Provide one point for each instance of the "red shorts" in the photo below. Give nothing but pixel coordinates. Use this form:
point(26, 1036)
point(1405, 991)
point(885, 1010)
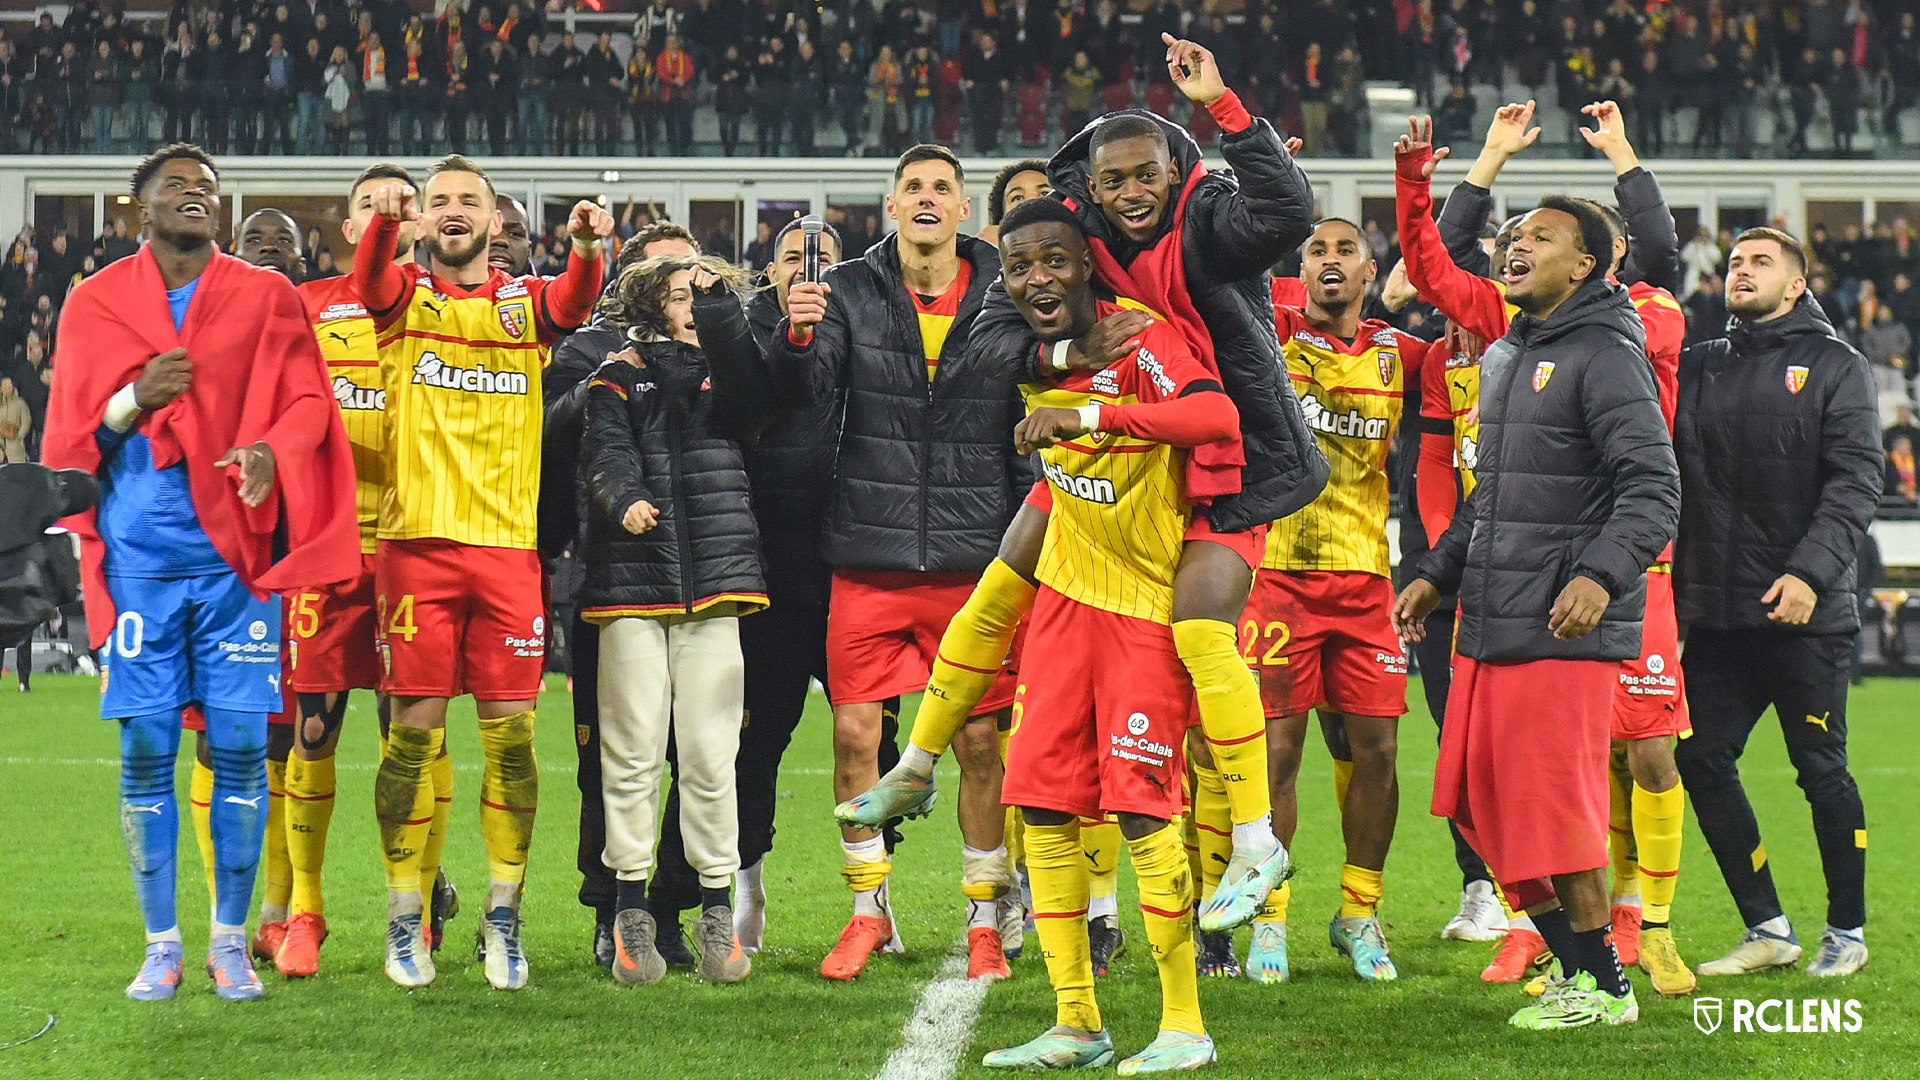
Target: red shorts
point(1322, 638)
point(1250, 545)
point(883, 633)
point(459, 619)
point(1523, 764)
point(1101, 726)
point(335, 644)
point(1651, 698)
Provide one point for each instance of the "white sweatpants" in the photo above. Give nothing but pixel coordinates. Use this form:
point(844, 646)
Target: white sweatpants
point(684, 671)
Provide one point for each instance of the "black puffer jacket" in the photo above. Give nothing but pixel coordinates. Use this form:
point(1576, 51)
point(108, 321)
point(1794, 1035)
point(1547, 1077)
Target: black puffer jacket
point(1239, 223)
point(1576, 478)
point(925, 474)
point(790, 467)
point(1653, 246)
point(564, 384)
point(1778, 480)
point(669, 433)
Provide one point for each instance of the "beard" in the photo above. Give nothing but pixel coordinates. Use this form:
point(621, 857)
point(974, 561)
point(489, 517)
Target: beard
point(1755, 305)
point(481, 242)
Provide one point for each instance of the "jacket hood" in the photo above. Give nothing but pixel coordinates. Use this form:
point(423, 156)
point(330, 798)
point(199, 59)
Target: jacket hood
point(1069, 169)
point(1807, 319)
point(1597, 303)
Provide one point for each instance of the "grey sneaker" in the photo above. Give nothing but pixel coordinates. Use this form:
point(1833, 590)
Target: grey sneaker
point(636, 962)
point(1757, 951)
point(722, 960)
point(1841, 952)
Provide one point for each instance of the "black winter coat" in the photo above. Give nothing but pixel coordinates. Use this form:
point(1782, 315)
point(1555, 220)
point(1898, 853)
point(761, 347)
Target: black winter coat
point(669, 433)
point(925, 477)
point(1239, 223)
point(1778, 480)
point(1576, 479)
point(790, 469)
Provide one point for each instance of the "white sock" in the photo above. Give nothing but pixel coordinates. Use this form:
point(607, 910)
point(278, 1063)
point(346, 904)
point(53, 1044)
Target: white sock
point(1631, 900)
point(1101, 906)
point(1778, 926)
point(1255, 836)
point(749, 885)
point(172, 935)
point(272, 913)
point(502, 894)
point(1858, 933)
point(872, 849)
point(219, 930)
point(983, 913)
point(917, 761)
point(872, 903)
point(1520, 920)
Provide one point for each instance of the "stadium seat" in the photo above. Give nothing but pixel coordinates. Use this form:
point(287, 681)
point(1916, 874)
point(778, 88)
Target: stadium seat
point(1205, 131)
point(1117, 96)
point(1160, 99)
point(1031, 118)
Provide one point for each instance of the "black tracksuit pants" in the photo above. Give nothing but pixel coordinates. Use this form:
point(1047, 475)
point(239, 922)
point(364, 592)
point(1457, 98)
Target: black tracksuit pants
point(1732, 676)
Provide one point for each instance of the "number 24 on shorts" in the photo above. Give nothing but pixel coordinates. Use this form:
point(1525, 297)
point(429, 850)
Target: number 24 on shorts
point(1275, 634)
point(402, 624)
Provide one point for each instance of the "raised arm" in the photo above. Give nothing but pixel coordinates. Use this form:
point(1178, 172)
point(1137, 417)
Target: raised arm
point(380, 284)
point(1468, 299)
point(1653, 245)
point(567, 301)
point(1471, 202)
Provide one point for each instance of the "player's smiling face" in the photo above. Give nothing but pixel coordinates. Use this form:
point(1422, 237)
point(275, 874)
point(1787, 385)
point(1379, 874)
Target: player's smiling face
point(1543, 264)
point(512, 247)
point(459, 219)
point(1133, 181)
point(929, 202)
point(182, 202)
point(1337, 264)
point(1046, 271)
point(1023, 186)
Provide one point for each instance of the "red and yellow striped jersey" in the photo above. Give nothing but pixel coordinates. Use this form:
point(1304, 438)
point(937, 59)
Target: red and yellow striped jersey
point(935, 314)
point(1351, 393)
point(1450, 390)
point(462, 368)
point(348, 341)
point(1120, 511)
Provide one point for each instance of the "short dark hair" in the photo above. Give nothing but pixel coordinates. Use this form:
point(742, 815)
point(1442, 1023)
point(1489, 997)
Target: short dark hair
point(1127, 126)
point(825, 229)
point(282, 214)
point(384, 170)
point(1590, 231)
point(928, 152)
point(461, 163)
point(1357, 231)
point(997, 194)
point(1040, 212)
point(1789, 246)
point(1616, 224)
point(179, 151)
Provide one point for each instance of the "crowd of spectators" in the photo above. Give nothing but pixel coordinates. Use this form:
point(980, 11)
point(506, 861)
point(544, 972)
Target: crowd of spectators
point(802, 77)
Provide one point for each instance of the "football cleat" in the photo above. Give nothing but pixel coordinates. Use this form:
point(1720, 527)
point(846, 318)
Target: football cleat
point(1360, 940)
point(1758, 951)
point(1480, 917)
point(1244, 885)
point(159, 977)
point(499, 948)
point(722, 959)
point(1523, 951)
point(1058, 1047)
point(1170, 1051)
point(604, 949)
point(299, 954)
point(1626, 934)
point(1576, 1002)
point(899, 794)
point(232, 969)
point(986, 959)
point(1267, 959)
point(267, 939)
point(1841, 952)
point(1107, 942)
point(1546, 980)
point(1213, 955)
point(1660, 959)
point(409, 958)
point(636, 962)
point(445, 905)
point(862, 936)
point(1011, 913)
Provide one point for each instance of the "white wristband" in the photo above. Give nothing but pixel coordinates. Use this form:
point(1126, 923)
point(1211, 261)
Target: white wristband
point(1059, 358)
point(123, 408)
point(1089, 416)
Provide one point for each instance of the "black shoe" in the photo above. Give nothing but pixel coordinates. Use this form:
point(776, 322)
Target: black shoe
point(603, 943)
point(446, 904)
point(1214, 955)
point(672, 944)
point(1108, 942)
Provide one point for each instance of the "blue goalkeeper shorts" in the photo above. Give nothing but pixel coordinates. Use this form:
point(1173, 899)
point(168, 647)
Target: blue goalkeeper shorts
point(181, 640)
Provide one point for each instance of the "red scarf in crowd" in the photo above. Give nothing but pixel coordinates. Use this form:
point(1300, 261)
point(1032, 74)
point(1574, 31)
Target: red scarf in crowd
point(258, 376)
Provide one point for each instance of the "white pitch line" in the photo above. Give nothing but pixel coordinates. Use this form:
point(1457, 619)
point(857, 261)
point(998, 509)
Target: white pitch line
point(936, 1033)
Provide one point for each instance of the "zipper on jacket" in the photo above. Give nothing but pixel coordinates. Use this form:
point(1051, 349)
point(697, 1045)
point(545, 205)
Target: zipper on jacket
point(674, 483)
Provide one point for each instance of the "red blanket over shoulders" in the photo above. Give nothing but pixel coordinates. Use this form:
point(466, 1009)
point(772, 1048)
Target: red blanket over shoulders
point(257, 376)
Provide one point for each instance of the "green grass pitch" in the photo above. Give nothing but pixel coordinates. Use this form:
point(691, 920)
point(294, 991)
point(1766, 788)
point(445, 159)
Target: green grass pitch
point(70, 940)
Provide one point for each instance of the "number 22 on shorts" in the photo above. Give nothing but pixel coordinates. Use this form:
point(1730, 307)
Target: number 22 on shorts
point(1275, 634)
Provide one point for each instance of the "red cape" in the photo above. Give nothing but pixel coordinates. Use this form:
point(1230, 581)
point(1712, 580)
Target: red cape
point(257, 376)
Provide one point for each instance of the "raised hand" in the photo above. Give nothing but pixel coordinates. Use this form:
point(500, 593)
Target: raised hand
point(1611, 137)
point(1413, 153)
point(1509, 134)
point(396, 203)
point(1194, 70)
point(589, 223)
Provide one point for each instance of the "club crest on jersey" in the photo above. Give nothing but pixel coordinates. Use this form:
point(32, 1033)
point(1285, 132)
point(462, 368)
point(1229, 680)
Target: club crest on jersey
point(513, 319)
point(1387, 358)
point(1542, 374)
point(1796, 379)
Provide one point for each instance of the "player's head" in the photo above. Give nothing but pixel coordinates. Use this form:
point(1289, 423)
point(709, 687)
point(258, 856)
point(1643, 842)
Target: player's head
point(512, 247)
point(1617, 226)
point(1014, 185)
point(929, 198)
point(458, 213)
point(360, 205)
point(1046, 269)
point(657, 238)
point(1502, 240)
point(1766, 274)
point(1131, 174)
point(1556, 249)
point(652, 300)
point(1337, 264)
point(789, 256)
point(271, 239)
point(178, 190)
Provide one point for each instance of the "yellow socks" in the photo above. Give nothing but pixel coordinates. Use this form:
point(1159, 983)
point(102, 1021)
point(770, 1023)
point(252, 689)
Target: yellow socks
point(273, 853)
point(1057, 871)
point(1342, 779)
point(200, 798)
point(1166, 906)
point(1620, 830)
point(509, 795)
point(1275, 909)
point(442, 776)
point(1657, 820)
point(864, 865)
point(403, 801)
point(1230, 712)
point(310, 786)
point(1212, 827)
point(971, 652)
point(1360, 891)
point(1101, 841)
